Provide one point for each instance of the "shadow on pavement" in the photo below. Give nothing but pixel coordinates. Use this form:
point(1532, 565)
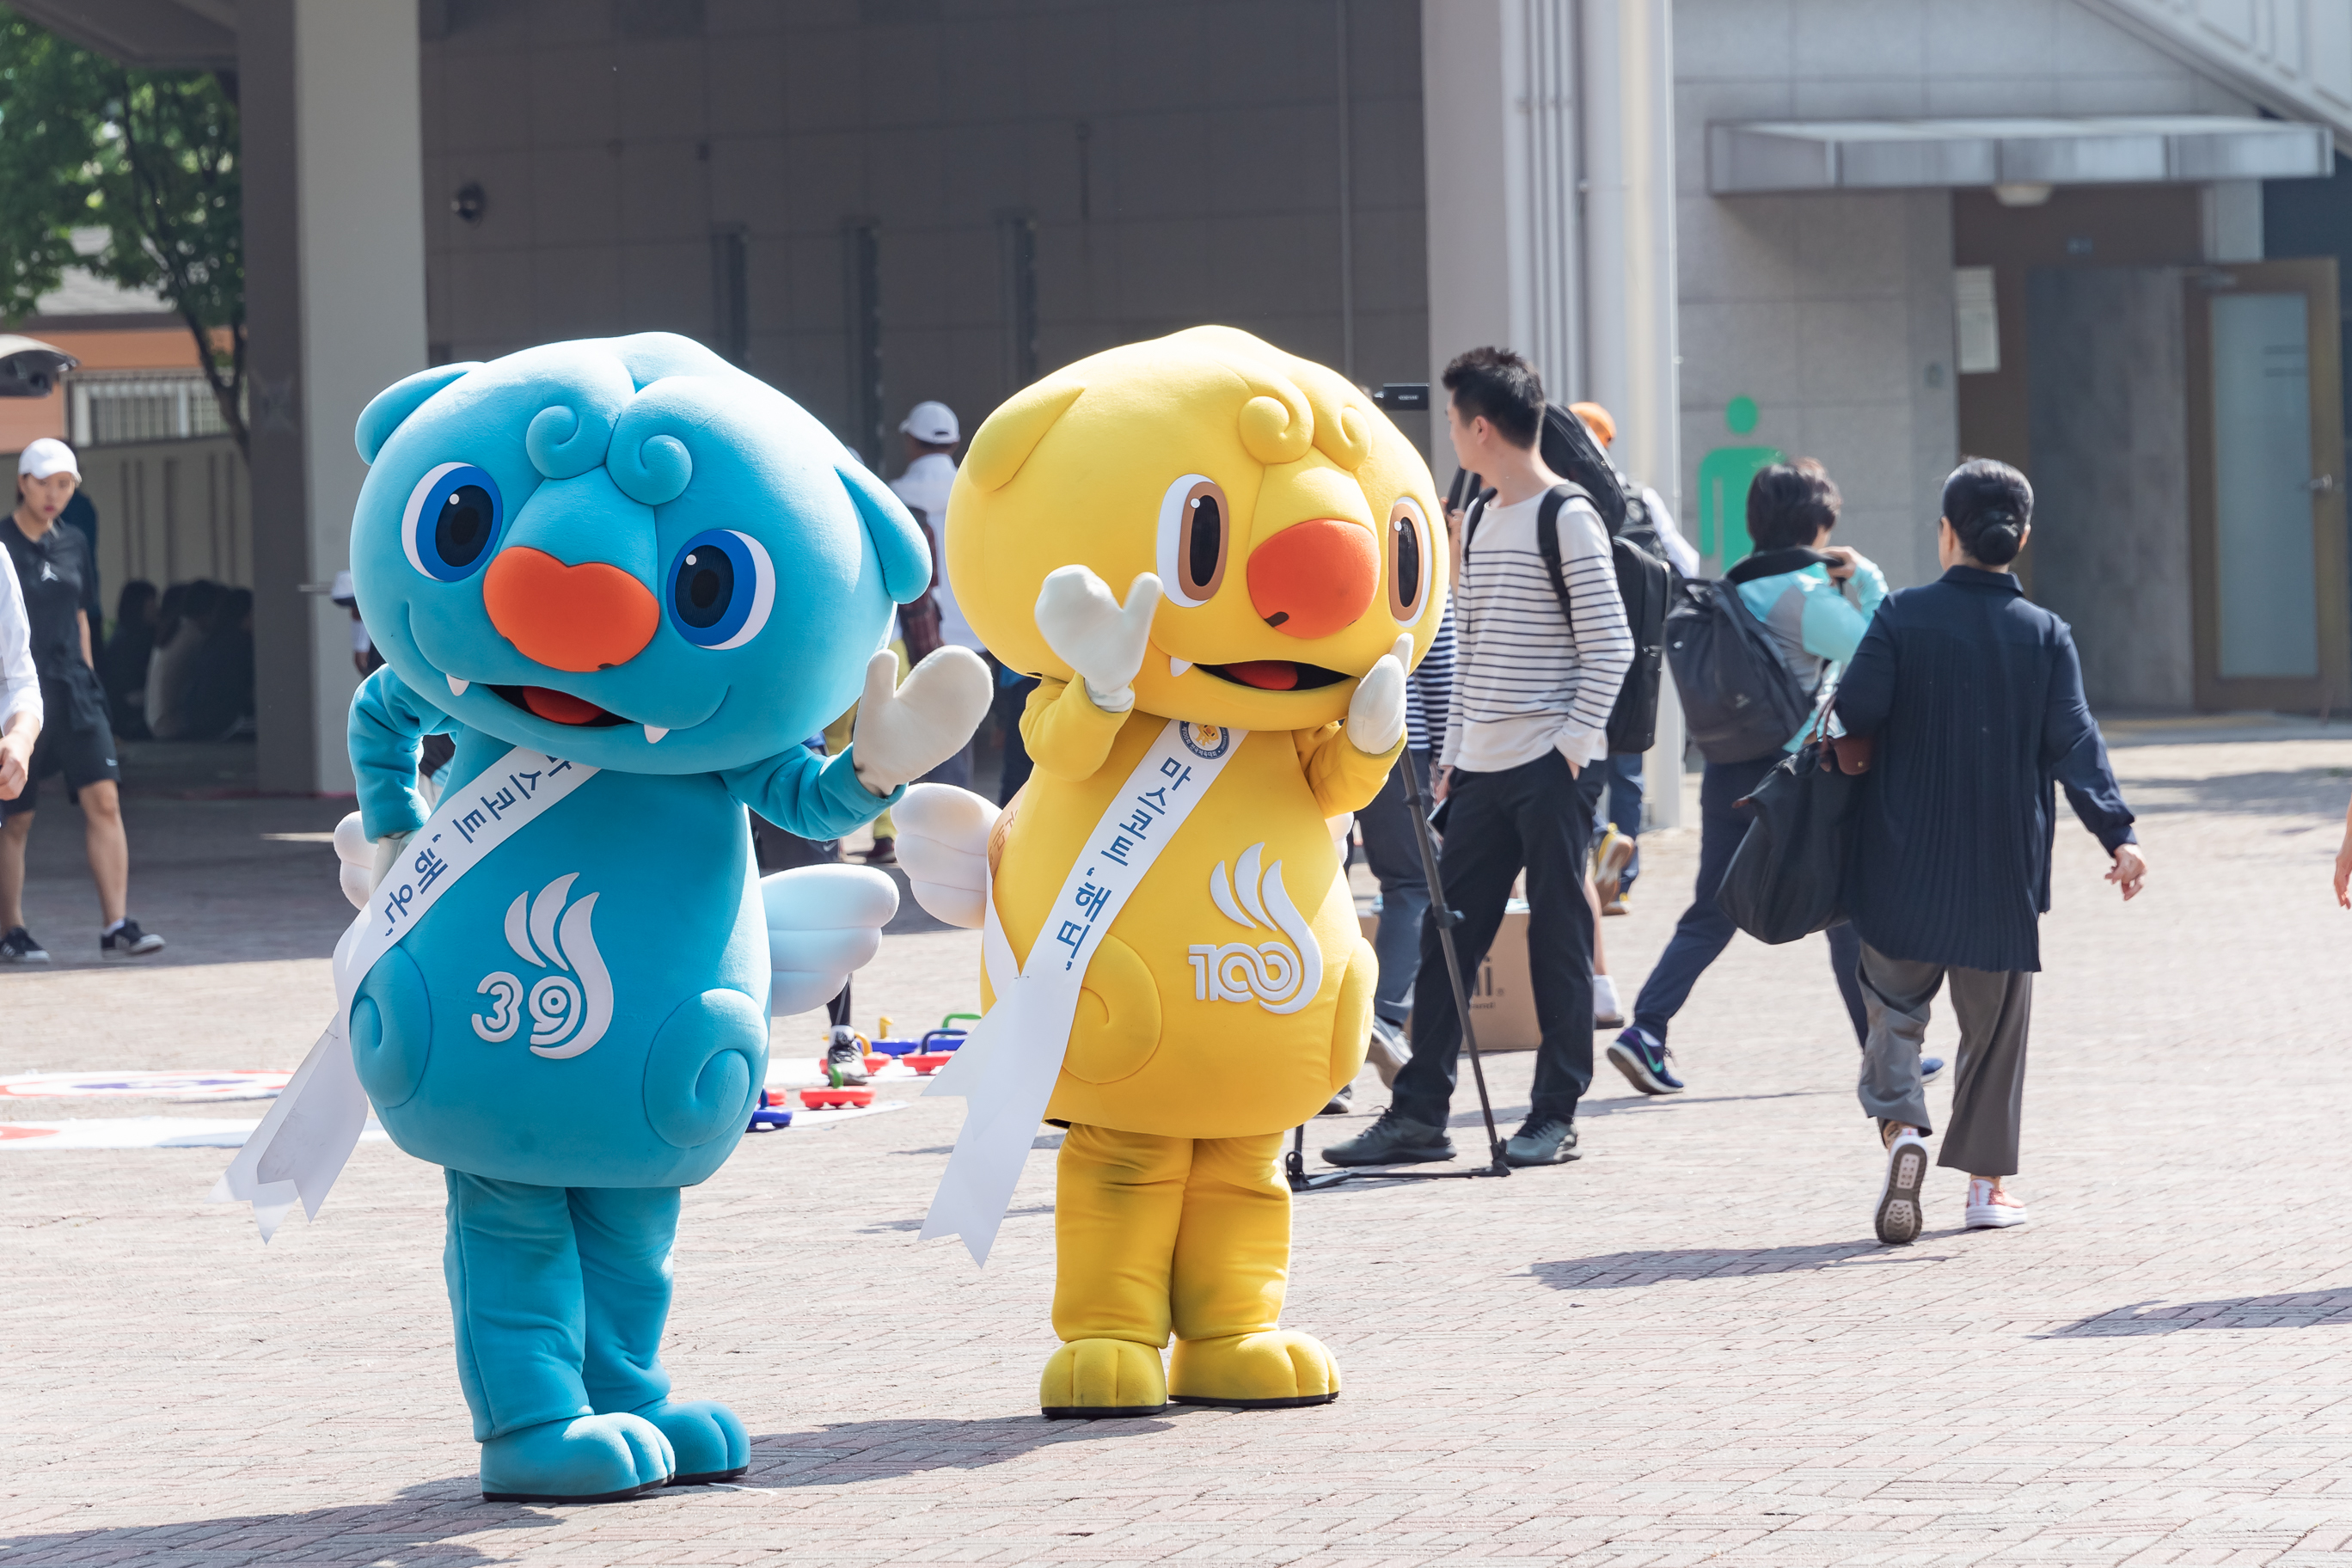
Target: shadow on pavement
point(412, 1532)
point(1625, 1270)
point(2273, 793)
point(2303, 1309)
point(851, 1451)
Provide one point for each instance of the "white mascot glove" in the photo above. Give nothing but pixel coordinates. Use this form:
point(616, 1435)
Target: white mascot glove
point(904, 728)
point(1376, 713)
point(823, 922)
point(364, 864)
point(943, 846)
point(1097, 636)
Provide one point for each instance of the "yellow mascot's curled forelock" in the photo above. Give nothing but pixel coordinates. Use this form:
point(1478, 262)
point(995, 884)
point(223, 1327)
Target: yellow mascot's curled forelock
point(1173, 968)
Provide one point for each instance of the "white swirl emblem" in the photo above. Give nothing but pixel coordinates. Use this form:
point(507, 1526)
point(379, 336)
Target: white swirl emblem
point(1279, 978)
point(569, 1009)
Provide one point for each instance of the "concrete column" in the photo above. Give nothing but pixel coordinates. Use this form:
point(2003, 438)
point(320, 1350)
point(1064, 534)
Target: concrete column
point(334, 236)
point(1631, 355)
point(1500, 137)
point(1548, 132)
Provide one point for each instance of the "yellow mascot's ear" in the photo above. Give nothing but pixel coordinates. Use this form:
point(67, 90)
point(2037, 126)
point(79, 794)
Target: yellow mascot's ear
point(1007, 436)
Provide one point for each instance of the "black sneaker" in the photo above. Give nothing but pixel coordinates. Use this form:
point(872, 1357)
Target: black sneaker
point(1551, 1141)
point(127, 941)
point(1342, 1101)
point(1393, 1139)
point(18, 947)
point(1644, 1061)
point(843, 1062)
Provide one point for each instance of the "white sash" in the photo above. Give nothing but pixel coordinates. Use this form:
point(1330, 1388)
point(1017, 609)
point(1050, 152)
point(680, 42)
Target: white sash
point(300, 1146)
point(1006, 1068)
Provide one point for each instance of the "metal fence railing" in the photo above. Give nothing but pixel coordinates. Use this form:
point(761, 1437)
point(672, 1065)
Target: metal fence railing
point(110, 409)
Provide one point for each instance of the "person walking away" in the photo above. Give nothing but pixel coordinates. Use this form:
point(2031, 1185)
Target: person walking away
point(1617, 819)
point(1533, 689)
point(1392, 853)
point(20, 686)
point(52, 563)
point(122, 667)
point(1796, 585)
point(1974, 696)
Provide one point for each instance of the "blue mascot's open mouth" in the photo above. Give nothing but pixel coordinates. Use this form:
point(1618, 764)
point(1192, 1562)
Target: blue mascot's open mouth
point(1276, 675)
point(558, 707)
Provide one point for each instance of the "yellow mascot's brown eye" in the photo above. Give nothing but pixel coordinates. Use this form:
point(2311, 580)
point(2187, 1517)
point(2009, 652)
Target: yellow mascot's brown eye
point(1203, 535)
point(1408, 563)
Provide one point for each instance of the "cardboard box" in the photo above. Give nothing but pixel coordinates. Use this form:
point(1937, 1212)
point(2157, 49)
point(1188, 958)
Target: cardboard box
point(1503, 1003)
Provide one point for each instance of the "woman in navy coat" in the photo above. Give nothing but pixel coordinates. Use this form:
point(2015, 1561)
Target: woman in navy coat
point(1975, 696)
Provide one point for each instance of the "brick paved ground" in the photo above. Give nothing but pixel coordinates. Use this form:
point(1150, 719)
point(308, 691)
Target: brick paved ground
point(1683, 1348)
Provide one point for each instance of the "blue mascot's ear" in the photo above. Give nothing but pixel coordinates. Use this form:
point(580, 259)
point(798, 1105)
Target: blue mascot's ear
point(388, 408)
point(906, 559)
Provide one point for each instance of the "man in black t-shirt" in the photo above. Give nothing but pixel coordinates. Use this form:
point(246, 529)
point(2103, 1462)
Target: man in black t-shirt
point(55, 572)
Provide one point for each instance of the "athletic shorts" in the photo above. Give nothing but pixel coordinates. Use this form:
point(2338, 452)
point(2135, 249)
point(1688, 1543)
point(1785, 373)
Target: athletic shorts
point(84, 756)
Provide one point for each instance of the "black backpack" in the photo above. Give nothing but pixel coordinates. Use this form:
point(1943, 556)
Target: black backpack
point(1739, 701)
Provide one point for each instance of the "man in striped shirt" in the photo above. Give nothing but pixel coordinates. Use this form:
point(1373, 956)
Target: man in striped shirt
point(1534, 681)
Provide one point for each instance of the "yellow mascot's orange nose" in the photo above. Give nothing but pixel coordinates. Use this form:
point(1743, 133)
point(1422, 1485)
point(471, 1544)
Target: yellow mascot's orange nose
point(1316, 577)
point(584, 617)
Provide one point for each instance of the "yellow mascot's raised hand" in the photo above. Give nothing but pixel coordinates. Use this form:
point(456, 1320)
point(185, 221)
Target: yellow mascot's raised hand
point(1174, 968)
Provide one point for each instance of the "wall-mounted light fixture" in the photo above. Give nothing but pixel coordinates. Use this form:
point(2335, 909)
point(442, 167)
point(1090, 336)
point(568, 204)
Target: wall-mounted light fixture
point(470, 203)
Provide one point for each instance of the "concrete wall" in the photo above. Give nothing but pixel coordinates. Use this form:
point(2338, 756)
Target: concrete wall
point(1182, 160)
point(170, 512)
point(1833, 312)
point(2109, 422)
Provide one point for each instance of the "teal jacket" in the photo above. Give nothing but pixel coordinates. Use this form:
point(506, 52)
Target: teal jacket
point(1813, 623)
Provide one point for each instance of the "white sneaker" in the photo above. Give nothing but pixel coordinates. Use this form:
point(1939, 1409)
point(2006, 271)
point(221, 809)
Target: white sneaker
point(1607, 1013)
point(1388, 1050)
point(1898, 1216)
point(1984, 1213)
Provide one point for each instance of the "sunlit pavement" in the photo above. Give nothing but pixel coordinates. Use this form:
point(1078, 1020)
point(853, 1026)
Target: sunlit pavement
point(1685, 1348)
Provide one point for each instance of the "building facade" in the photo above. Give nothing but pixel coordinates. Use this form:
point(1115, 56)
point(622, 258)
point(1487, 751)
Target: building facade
point(2091, 236)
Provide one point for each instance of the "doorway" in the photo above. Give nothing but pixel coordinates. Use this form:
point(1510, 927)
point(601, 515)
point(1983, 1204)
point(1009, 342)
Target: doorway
point(2272, 600)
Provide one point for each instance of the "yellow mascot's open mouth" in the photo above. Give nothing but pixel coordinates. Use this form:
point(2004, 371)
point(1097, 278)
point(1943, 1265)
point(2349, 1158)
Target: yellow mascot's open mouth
point(1276, 674)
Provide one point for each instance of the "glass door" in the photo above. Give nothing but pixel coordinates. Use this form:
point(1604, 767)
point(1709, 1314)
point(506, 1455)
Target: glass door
point(2272, 604)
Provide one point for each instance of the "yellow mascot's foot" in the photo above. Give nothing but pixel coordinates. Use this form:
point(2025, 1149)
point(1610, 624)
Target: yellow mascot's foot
point(1088, 1380)
point(1274, 1371)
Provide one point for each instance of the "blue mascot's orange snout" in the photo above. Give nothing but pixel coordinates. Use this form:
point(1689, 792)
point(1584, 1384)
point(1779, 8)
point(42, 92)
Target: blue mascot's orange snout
point(1314, 578)
point(579, 618)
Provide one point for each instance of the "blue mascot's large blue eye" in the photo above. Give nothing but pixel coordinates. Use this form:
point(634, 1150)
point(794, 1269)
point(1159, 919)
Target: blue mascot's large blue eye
point(721, 587)
point(453, 519)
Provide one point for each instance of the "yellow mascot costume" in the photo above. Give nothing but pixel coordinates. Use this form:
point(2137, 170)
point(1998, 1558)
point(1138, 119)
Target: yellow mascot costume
point(1174, 964)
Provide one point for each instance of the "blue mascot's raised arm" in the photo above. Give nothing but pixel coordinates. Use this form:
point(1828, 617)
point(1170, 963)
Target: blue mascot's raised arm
point(387, 720)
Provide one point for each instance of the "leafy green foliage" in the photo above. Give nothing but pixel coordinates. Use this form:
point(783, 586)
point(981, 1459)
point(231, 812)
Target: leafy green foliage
point(149, 156)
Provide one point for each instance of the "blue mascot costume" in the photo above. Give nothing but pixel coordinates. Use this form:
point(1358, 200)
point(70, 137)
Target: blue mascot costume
point(627, 561)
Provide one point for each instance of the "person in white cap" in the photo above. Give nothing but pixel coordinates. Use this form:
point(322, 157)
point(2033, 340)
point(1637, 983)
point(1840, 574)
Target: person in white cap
point(55, 571)
point(932, 436)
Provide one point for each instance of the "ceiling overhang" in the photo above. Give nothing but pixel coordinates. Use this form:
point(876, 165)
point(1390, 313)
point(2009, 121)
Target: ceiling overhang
point(1759, 156)
point(146, 35)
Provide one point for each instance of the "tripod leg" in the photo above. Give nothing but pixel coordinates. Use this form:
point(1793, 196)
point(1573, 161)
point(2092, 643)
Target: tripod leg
point(1443, 912)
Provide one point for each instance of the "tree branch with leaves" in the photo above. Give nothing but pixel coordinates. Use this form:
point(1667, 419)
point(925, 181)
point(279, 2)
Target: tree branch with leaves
point(149, 156)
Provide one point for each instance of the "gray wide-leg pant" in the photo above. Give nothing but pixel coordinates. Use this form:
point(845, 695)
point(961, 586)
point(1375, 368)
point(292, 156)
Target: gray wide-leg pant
point(1995, 1009)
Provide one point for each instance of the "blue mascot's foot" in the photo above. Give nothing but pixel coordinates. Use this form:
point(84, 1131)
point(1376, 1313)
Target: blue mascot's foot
point(710, 1443)
point(586, 1459)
